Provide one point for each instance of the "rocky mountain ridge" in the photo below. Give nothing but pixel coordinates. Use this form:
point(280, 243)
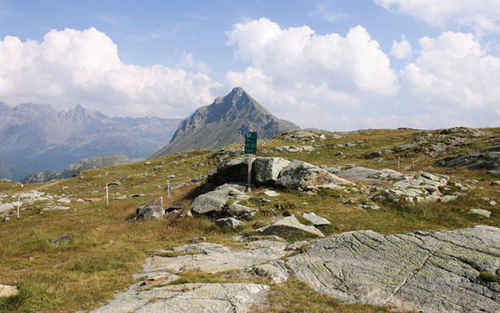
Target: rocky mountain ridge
point(225, 122)
point(36, 137)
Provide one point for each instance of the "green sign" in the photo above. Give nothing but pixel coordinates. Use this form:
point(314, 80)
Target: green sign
point(251, 143)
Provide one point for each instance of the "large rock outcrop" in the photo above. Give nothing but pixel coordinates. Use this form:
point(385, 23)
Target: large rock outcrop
point(430, 272)
point(489, 160)
point(224, 122)
point(269, 171)
point(156, 295)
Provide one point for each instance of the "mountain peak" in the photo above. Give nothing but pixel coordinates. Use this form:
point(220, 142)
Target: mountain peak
point(224, 122)
point(237, 91)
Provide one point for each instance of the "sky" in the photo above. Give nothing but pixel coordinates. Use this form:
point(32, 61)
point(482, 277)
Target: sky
point(331, 64)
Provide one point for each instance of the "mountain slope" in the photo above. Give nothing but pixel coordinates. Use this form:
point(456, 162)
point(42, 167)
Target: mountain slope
point(77, 167)
point(5, 171)
point(224, 122)
point(36, 137)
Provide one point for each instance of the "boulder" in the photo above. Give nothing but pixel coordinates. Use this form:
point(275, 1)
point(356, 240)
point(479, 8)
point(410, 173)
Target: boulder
point(422, 271)
point(315, 219)
point(267, 169)
point(290, 226)
point(240, 211)
point(299, 174)
point(235, 170)
point(213, 201)
point(228, 222)
point(150, 210)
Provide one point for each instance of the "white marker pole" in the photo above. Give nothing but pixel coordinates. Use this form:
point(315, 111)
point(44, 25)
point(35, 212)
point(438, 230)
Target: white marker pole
point(168, 189)
point(107, 196)
point(161, 202)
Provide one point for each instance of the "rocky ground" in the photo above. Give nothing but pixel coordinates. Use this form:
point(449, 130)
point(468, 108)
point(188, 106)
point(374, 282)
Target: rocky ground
point(423, 271)
point(367, 221)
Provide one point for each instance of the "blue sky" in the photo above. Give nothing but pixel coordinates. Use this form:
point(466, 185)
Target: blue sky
point(331, 64)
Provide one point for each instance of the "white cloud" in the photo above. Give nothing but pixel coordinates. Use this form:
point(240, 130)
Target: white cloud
point(481, 16)
point(401, 49)
point(72, 66)
point(324, 12)
point(454, 72)
point(305, 76)
point(188, 61)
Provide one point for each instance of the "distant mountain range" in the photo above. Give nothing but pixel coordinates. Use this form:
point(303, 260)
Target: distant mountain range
point(225, 122)
point(36, 137)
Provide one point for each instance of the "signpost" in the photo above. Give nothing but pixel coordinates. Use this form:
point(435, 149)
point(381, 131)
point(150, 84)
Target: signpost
point(250, 148)
point(251, 143)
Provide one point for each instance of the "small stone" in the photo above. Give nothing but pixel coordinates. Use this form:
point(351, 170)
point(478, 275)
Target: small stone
point(495, 183)
point(61, 239)
point(448, 198)
point(481, 212)
point(56, 208)
point(198, 239)
point(171, 176)
point(8, 291)
point(64, 200)
point(492, 203)
point(271, 193)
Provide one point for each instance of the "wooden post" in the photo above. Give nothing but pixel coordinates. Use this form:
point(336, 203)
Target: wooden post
point(107, 195)
point(399, 162)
